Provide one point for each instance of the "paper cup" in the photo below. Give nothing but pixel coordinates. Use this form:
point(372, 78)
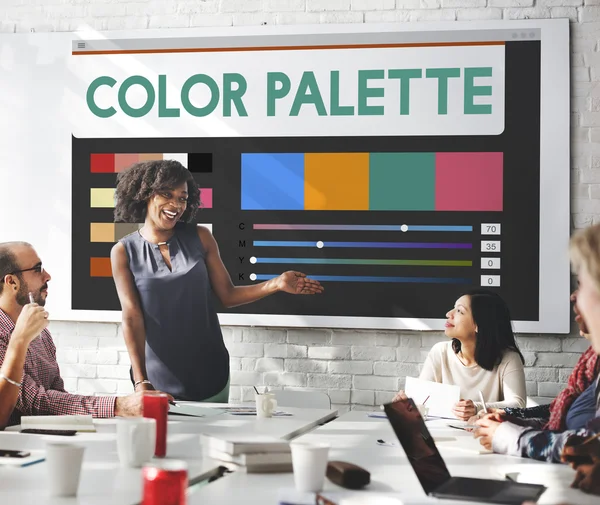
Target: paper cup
point(63, 462)
point(310, 464)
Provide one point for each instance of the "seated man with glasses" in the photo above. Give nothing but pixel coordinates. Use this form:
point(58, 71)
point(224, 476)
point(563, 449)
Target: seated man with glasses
point(30, 381)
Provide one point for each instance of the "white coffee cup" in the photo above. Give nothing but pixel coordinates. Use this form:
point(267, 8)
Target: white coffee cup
point(265, 405)
point(310, 464)
point(64, 468)
point(136, 440)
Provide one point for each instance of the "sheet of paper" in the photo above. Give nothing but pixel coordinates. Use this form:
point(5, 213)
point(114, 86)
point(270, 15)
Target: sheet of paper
point(442, 397)
point(251, 411)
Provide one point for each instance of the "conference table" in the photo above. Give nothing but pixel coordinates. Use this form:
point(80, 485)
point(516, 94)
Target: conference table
point(104, 481)
point(352, 436)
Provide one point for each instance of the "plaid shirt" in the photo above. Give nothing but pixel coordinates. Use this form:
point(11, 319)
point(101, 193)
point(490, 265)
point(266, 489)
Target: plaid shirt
point(43, 390)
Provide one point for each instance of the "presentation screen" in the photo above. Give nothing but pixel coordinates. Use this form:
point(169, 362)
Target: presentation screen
point(399, 166)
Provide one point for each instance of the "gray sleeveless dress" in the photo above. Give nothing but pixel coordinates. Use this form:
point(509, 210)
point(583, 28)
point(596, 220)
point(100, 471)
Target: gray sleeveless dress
point(185, 352)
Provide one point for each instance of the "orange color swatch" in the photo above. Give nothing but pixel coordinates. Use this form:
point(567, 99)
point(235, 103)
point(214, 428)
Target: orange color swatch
point(100, 267)
point(336, 181)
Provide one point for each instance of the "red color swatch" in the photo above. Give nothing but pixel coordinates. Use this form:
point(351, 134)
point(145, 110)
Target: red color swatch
point(102, 163)
point(468, 181)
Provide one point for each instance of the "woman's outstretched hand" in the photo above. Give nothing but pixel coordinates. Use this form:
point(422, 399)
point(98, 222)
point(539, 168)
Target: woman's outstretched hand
point(296, 283)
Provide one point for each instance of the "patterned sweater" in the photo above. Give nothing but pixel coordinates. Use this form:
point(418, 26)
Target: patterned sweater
point(524, 437)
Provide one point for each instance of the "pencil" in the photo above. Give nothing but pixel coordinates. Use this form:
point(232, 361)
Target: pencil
point(597, 435)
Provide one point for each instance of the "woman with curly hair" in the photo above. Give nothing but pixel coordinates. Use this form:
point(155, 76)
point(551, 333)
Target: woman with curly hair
point(166, 274)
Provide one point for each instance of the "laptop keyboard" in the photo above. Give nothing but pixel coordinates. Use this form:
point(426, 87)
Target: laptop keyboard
point(476, 488)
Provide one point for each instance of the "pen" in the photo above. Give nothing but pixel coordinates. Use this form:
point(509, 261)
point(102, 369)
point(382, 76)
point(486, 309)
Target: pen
point(483, 402)
point(31, 300)
point(173, 403)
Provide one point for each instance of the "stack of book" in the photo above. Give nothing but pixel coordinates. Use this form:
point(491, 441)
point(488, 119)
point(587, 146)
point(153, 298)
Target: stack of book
point(249, 453)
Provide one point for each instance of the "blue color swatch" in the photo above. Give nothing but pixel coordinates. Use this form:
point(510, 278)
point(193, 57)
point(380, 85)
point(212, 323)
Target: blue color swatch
point(272, 181)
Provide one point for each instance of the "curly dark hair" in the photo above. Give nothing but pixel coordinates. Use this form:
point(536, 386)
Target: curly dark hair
point(142, 180)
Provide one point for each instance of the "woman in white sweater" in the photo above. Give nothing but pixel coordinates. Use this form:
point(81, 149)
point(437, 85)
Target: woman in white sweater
point(482, 356)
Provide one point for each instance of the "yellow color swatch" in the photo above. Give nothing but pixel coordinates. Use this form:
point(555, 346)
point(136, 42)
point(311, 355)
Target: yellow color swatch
point(102, 198)
point(336, 181)
point(102, 232)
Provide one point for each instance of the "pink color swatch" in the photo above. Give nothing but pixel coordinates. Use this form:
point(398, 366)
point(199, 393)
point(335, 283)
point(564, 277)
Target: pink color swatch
point(125, 160)
point(206, 198)
point(468, 181)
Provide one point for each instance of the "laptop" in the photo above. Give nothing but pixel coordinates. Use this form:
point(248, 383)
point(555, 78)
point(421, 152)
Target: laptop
point(424, 457)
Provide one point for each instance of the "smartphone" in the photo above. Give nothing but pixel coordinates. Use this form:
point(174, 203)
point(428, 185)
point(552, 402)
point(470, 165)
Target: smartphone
point(64, 433)
point(7, 453)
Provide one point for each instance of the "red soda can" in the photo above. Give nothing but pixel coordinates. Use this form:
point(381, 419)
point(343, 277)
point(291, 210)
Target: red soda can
point(156, 406)
point(165, 483)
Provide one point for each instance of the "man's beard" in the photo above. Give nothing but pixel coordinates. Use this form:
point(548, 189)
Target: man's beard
point(23, 295)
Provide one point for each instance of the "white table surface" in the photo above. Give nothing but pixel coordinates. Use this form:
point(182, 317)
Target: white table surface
point(104, 481)
point(353, 438)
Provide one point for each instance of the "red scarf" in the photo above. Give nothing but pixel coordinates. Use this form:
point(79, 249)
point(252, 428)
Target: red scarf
point(583, 375)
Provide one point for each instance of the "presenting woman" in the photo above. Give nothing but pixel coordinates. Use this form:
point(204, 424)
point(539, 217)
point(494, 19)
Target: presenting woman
point(482, 355)
point(166, 275)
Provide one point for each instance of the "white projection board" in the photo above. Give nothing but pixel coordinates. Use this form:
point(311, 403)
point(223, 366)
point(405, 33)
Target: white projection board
point(400, 165)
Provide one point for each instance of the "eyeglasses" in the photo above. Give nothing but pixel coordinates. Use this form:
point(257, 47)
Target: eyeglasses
point(38, 269)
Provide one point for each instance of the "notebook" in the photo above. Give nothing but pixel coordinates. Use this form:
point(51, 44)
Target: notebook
point(251, 411)
point(261, 468)
point(243, 444)
point(258, 458)
point(73, 423)
point(193, 410)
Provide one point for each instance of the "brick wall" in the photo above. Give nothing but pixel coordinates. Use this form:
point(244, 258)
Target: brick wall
point(357, 368)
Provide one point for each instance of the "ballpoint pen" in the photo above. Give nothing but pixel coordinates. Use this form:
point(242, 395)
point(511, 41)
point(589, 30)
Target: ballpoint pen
point(483, 402)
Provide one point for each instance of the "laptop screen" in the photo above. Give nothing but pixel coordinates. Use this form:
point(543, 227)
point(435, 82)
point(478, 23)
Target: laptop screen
point(418, 444)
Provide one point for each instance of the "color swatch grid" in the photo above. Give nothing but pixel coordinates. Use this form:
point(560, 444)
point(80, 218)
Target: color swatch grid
point(104, 197)
point(102, 163)
point(445, 181)
point(112, 232)
point(117, 162)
